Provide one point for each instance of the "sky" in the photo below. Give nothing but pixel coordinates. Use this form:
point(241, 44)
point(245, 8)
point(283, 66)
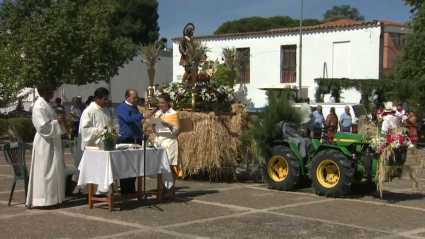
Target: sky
point(208, 15)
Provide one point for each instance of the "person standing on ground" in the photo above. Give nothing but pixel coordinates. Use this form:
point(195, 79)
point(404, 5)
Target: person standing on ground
point(332, 124)
point(75, 115)
point(412, 122)
point(59, 108)
point(130, 121)
point(89, 100)
point(307, 119)
point(346, 121)
point(80, 103)
point(93, 120)
point(167, 138)
point(110, 111)
point(46, 185)
point(319, 119)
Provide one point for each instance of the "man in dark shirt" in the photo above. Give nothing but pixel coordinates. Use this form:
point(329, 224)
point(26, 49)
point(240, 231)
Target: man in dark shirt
point(130, 121)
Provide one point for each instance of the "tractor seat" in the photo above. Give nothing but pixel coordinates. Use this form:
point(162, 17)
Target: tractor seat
point(289, 131)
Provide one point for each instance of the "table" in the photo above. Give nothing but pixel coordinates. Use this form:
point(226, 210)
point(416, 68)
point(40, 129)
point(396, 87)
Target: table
point(103, 167)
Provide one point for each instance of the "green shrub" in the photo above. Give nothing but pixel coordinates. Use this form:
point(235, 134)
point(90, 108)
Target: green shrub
point(21, 130)
point(3, 126)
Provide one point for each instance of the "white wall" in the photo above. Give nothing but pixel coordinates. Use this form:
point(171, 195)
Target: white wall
point(132, 75)
point(363, 60)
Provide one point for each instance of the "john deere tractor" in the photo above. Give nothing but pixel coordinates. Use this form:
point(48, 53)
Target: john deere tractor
point(333, 169)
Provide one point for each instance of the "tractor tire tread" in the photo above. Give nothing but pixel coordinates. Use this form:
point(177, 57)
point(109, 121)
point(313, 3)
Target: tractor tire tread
point(292, 180)
point(346, 171)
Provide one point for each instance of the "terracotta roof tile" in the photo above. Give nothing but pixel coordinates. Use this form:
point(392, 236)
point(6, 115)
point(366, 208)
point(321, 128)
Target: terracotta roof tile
point(391, 23)
point(344, 23)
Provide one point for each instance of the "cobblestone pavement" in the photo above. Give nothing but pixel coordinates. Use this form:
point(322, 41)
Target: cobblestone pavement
point(221, 210)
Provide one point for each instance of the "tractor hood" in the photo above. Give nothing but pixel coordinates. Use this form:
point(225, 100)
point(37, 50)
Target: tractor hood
point(346, 139)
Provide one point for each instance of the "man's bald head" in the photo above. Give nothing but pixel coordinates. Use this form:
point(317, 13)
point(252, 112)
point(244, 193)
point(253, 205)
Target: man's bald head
point(131, 96)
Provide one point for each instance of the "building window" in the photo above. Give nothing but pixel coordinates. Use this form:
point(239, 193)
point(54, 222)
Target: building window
point(245, 66)
point(398, 39)
point(288, 64)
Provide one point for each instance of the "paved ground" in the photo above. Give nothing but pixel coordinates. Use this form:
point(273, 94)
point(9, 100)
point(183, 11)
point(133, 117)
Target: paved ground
point(220, 210)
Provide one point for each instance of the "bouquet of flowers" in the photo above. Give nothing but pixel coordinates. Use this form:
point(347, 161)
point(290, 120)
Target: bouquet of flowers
point(177, 91)
point(398, 140)
point(206, 92)
point(150, 53)
point(197, 53)
point(232, 58)
point(378, 144)
point(109, 134)
point(212, 93)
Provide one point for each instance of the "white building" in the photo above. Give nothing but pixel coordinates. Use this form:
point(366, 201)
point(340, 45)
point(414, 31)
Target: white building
point(341, 49)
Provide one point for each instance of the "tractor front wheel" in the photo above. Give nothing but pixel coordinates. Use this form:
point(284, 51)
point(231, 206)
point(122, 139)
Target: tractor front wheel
point(331, 173)
point(282, 171)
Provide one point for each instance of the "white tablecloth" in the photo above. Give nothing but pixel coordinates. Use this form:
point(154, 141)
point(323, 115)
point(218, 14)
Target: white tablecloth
point(103, 167)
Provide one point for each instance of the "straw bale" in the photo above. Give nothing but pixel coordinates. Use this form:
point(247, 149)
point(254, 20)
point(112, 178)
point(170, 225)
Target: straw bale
point(213, 144)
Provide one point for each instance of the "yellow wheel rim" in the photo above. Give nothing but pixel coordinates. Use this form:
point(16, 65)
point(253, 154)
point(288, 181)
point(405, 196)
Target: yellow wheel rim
point(328, 173)
point(277, 168)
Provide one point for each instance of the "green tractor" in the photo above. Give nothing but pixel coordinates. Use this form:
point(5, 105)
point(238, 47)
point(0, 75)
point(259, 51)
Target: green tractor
point(333, 169)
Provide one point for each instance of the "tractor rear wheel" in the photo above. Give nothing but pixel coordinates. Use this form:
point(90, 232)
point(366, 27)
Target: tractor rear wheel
point(282, 171)
point(331, 173)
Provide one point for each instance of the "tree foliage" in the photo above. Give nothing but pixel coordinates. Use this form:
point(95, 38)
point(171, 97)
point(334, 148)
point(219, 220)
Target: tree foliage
point(255, 24)
point(65, 42)
point(343, 12)
point(137, 19)
point(410, 65)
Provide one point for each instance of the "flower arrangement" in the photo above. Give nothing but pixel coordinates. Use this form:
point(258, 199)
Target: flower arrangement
point(385, 147)
point(109, 134)
point(232, 58)
point(178, 92)
point(205, 92)
point(150, 54)
point(197, 53)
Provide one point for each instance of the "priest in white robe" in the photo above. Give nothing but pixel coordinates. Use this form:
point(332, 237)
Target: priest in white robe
point(47, 174)
point(92, 122)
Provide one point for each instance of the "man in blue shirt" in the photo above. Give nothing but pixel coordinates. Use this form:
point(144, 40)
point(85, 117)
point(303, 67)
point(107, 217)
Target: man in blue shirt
point(345, 120)
point(319, 120)
point(130, 121)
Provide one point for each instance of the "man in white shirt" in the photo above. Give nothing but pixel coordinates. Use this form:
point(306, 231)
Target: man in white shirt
point(307, 119)
point(390, 121)
point(93, 120)
point(46, 185)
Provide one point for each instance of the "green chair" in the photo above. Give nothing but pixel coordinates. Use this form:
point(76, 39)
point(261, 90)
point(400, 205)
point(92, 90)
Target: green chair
point(70, 145)
point(14, 155)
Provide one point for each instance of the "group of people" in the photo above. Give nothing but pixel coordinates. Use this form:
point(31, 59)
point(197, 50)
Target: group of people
point(314, 122)
point(391, 119)
point(46, 184)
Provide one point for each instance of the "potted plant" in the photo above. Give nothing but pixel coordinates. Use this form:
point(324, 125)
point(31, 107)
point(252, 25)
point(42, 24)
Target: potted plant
point(232, 59)
point(109, 137)
point(150, 55)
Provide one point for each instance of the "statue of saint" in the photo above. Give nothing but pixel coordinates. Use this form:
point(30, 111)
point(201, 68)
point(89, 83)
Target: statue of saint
point(188, 31)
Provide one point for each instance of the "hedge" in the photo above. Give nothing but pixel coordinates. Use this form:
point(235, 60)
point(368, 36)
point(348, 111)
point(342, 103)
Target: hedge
point(4, 125)
point(21, 130)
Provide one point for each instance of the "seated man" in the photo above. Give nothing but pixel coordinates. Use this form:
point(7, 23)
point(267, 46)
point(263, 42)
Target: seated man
point(130, 121)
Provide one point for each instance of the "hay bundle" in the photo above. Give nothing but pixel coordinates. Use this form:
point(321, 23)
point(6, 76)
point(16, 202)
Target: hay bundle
point(371, 132)
point(213, 143)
